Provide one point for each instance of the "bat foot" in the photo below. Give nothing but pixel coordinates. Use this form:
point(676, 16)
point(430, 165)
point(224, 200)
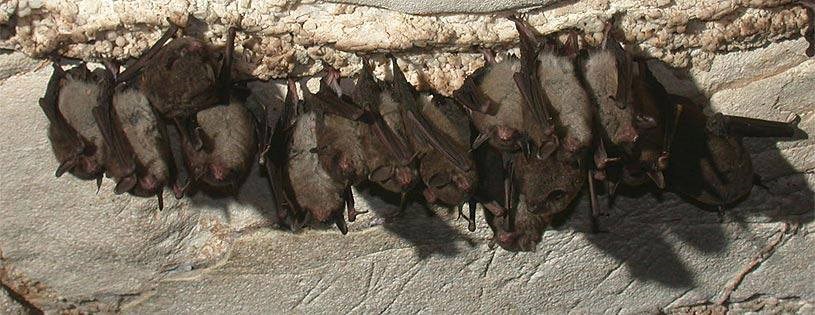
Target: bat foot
point(341, 225)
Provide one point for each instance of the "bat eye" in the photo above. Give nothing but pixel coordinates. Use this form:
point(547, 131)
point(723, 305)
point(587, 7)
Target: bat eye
point(381, 174)
point(439, 179)
point(556, 195)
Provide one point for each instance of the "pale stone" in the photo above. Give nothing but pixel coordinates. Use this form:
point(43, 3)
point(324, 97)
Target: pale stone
point(65, 247)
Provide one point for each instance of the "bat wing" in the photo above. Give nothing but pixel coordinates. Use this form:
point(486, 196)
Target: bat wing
point(65, 133)
point(329, 102)
point(121, 163)
point(224, 85)
point(145, 58)
point(527, 79)
point(420, 126)
point(470, 95)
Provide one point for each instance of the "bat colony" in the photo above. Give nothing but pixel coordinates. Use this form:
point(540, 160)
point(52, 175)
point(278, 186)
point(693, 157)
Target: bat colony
point(523, 136)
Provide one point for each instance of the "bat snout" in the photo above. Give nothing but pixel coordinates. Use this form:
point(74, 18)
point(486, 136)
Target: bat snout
point(404, 177)
point(505, 134)
point(462, 183)
point(628, 134)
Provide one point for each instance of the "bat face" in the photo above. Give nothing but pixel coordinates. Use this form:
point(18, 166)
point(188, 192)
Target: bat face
point(76, 141)
point(229, 147)
point(443, 185)
point(181, 78)
point(526, 228)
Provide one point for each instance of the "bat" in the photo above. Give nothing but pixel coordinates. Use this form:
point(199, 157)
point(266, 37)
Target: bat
point(141, 160)
point(339, 145)
point(445, 183)
point(498, 109)
point(275, 134)
point(608, 78)
point(180, 80)
point(709, 164)
point(514, 227)
point(228, 139)
point(312, 187)
point(390, 158)
point(76, 141)
point(655, 119)
point(438, 130)
point(553, 80)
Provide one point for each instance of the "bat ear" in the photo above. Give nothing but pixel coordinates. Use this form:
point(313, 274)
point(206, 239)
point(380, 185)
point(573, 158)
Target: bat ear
point(65, 166)
point(381, 174)
point(124, 185)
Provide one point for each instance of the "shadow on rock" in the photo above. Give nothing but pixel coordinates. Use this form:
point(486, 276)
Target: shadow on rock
point(641, 222)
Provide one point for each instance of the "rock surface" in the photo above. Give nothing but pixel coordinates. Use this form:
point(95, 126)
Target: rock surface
point(64, 247)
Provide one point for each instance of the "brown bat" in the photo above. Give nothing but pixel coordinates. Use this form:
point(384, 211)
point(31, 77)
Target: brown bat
point(516, 229)
point(390, 159)
point(500, 110)
point(607, 74)
point(180, 79)
point(338, 127)
point(229, 144)
point(276, 132)
point(709, 164)
point(558, 85)
point(140, 157)
point(655, 121)
point(438, 129)
point(312, 186)
point(76, 140)
point(445, 184)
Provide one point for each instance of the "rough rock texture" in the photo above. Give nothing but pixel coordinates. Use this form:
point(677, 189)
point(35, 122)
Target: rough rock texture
point(64, 247)
point(281, 38)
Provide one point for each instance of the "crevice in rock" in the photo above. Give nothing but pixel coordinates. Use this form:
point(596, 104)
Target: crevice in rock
point(759, 258)
point(20, 299)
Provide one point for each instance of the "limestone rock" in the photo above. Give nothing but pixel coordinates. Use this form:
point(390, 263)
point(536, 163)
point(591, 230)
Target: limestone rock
point(64, 247)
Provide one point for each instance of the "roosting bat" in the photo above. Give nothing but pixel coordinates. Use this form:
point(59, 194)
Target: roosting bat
point(140, 158)
point(75, 138)
point(439, 131)
point(313, 188)
point(180, 79)
point(389, 156)
point(275, 131)
point(445, 184)
point(709, 164)
point(516, 228)
point(339, 144)
point(228, 138)
point(556, 81)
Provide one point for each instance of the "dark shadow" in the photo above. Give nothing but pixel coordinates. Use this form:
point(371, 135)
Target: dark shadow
point(642, 219)
point(429, 234)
